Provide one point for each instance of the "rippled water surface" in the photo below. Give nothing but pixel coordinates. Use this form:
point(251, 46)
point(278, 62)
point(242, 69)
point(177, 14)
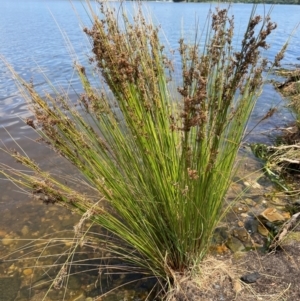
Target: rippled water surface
point(42, 38)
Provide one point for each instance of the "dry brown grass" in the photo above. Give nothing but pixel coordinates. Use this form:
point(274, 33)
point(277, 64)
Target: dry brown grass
point(219, 279)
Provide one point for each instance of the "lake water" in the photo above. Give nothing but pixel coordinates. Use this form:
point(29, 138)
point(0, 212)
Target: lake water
point(41, 39)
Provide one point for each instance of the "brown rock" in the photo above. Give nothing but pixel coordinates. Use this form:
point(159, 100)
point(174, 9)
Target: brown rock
point(262, 230)
point(241, 233)
point(249, 202)
point(240, 224)
point(7, 240)
point(272, 215)
point(235, 245)
point(27, 272)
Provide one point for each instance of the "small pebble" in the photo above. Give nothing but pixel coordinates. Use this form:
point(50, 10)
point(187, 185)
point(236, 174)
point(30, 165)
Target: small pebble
point(27, 272)
point(250, 278)
point(240, 224)
point(6, 241)
point(25, 230)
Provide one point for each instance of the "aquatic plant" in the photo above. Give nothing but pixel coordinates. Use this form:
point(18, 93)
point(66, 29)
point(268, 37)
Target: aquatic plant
point(159, 160)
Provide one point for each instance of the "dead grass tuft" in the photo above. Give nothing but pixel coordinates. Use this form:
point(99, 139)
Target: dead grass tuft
point(215, 278)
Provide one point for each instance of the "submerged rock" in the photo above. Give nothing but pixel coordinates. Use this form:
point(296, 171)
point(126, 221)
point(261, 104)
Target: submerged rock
point(41, 284)
point(27, 272)
point(7, 240)
point(235, 245)
point(74, 283)
point(242, 234)
point(251, 225)
point(9, 287)
point(78, 297)
point(220, 235)
point(26, 292)
point(249, 202)
point(262, 230)
point(25, 230)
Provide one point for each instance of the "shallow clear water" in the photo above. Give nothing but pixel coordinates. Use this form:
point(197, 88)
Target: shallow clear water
point(39, 38)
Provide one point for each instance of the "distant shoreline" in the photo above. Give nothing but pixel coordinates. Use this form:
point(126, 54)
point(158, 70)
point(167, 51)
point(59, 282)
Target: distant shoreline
point(293, 2)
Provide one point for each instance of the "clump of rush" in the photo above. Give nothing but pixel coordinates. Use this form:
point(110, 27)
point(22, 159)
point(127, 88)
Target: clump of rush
point(159, 160)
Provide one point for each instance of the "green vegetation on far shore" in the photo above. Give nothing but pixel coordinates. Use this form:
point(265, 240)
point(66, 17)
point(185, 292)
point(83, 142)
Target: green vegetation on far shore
point(238, 1)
